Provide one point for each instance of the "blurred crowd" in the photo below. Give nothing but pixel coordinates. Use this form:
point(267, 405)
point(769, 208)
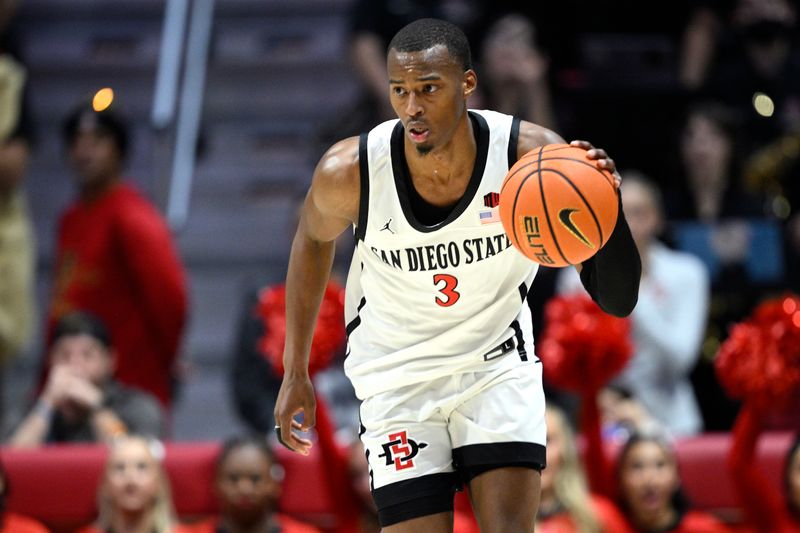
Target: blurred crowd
point(698, 102)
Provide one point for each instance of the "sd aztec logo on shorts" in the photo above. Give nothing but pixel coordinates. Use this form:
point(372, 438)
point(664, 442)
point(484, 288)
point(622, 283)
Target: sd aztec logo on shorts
point(401, 450)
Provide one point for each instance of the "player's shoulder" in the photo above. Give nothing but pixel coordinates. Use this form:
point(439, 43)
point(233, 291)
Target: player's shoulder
point(336, 187)
point(340, 160)
point(533, 136)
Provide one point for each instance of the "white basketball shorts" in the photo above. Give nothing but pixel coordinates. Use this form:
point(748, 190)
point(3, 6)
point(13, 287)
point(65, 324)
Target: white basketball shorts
point(424, 440)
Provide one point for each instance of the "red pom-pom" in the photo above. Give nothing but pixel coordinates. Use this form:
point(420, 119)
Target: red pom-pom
point(582, 347)
point(329, 334)
point(760, 360)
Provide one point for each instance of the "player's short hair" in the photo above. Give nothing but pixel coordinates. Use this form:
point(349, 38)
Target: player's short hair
point(427, 33)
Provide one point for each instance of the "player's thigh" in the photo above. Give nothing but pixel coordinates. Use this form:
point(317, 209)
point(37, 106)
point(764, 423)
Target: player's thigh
point(409, 453)
point(435, 523)
point(506, 499)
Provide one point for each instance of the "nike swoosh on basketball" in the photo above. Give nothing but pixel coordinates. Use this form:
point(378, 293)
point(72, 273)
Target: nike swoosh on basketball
point(564, 216)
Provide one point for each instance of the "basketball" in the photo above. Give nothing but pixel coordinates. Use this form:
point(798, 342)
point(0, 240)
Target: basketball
point(557, 207)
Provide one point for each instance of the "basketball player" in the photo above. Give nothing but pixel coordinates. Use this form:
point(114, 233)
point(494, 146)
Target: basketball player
point(439, 335)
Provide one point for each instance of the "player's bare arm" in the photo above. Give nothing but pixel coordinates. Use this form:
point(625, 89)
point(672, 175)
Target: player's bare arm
point(612, 275)
point(330, 207)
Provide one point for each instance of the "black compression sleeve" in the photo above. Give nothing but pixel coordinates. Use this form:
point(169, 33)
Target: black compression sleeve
point(612, 275)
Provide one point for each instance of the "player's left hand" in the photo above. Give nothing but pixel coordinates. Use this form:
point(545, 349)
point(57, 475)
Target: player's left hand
point(603, 161)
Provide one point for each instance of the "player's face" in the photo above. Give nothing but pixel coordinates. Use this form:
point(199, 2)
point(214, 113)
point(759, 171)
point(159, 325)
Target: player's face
point(428, 91)
point(132, 477)
point(245, 485)
point(794, 480)
point(648, 478)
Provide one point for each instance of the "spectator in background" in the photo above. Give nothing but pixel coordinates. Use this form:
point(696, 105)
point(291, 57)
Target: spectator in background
point(81, 402)
point(712, 216)
point(515, 71)
point(116, 258)
point(12, 522)
point(248, 487)
point(649, 490)
point(669, 318)
point(566, 506)
point(134, 494)
point(17, 246)
point(711, 155)
point(622, 415)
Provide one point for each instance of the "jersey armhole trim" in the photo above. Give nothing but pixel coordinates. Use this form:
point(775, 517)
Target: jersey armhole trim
point(363, 202)
point(513, 141)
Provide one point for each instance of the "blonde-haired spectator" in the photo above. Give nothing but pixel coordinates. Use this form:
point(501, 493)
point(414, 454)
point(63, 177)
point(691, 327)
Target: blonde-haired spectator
point(134, 495)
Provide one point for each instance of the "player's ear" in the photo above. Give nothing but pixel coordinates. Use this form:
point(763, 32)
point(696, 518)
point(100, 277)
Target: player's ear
point(470, 82)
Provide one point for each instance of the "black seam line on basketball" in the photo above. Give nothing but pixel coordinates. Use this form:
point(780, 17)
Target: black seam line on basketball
point(523, 354)
point(582, 162)
point(363, 202)
point(557, 148)
point(514, 207)
point(583, 199)
point(511, 177)
point(540, 148)
point(546, 214)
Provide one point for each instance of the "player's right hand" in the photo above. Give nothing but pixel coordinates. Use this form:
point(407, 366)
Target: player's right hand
point(295, 396)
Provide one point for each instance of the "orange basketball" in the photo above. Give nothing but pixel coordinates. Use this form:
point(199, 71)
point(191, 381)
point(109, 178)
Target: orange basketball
point(557, 207)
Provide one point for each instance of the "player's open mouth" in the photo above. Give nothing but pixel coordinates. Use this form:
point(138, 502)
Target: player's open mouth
point(418, 134)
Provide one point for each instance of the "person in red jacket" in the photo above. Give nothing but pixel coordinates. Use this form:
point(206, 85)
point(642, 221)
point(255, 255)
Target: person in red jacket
point(764, 508)
point(116, 258)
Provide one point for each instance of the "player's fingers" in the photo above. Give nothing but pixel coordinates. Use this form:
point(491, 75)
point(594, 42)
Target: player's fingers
point(309, 419)
point(586, 145)
point(283, 430)
point(608, 164)
point(597, 153)
point(300, 444)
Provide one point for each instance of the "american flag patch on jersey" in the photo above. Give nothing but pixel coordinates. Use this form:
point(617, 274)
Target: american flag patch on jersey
point(490, 216)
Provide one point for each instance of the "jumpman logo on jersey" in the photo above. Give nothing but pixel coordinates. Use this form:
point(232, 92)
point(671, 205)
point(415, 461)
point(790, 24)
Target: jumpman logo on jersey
point(386, 226)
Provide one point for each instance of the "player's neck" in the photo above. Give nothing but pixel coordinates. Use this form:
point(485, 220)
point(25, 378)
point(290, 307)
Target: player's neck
point(448, 163)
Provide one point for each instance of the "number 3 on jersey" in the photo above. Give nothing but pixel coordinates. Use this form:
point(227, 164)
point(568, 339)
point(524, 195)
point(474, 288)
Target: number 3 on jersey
point(448, 290)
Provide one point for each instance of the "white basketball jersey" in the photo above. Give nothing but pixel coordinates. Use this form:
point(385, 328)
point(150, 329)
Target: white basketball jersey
point(429, 301)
